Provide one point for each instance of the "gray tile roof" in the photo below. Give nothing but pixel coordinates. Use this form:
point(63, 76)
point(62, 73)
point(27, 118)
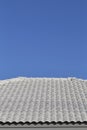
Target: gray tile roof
point(43, 100)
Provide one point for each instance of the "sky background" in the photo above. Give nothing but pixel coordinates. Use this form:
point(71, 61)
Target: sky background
point(43, 38)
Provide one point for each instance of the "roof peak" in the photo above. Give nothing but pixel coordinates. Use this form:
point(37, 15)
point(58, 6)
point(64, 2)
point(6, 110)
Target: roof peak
point(22, 77)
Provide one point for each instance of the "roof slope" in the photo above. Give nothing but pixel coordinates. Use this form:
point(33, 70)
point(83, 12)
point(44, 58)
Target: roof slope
point(43, 100)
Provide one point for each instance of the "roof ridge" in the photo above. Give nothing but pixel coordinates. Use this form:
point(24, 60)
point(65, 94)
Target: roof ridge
point(21, 78)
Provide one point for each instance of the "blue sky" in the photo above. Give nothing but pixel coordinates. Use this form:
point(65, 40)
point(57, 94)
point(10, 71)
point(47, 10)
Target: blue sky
point(43, 38)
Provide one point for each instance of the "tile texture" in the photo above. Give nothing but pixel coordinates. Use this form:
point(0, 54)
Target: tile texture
point(41, 100)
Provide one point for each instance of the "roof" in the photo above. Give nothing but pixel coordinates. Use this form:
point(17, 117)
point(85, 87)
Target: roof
point(50, 101)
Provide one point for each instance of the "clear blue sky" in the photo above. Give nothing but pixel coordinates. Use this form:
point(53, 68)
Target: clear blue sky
point(43, 38)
